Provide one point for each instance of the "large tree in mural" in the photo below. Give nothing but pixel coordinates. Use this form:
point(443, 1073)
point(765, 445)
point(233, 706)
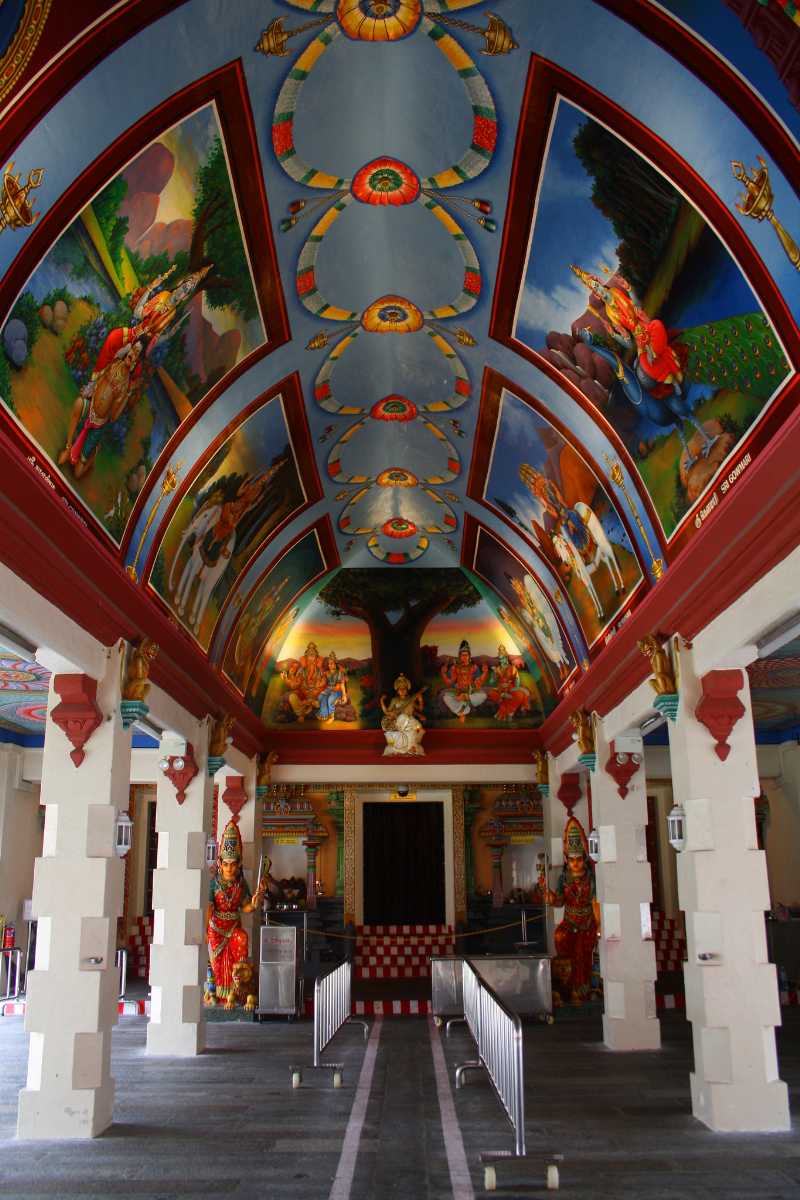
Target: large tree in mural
point(397, 608)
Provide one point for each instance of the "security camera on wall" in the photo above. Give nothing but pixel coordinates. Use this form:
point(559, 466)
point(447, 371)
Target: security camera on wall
point(403, 789)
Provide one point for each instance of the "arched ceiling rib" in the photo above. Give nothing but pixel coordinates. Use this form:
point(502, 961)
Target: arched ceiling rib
point(488, 325)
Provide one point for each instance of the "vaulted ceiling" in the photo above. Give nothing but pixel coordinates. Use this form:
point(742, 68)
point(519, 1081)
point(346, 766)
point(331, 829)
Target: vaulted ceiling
point(388, 325)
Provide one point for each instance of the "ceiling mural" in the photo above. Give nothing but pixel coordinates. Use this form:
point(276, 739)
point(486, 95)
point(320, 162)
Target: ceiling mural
point(249, 487)
point(340, 378)
point(143, 305)
point(345, 652)
point(632, 296)
point(23, 694)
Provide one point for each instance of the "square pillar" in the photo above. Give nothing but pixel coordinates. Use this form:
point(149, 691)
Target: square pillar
point(731, 989)
point(624, 892)
point(179, 955)
point(77, 898)
point(554, 818)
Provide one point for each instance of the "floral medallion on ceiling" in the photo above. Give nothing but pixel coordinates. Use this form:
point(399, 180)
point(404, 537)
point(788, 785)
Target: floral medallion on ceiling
point(398, 525)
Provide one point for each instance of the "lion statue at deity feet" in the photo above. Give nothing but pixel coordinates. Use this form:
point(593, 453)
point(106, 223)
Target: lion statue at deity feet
point(242, 994)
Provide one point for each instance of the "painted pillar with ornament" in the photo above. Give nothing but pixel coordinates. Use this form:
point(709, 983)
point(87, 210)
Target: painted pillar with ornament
point(77, 898)
point(624, 892)
point(237, 802)
point(731, 989)
point(563, 794)
point(179, 954)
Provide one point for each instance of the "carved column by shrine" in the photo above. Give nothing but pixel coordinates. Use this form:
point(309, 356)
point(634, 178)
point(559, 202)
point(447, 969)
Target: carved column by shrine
point(77, 898)
point(731, 988)
point(179, 953)
point(496, 839)
point(312, 842)
point(335, 810)
point(471, 809)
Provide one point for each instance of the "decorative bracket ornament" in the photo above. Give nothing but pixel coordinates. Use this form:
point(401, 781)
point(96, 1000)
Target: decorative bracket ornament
point(720, 707)
point(622, 768)
point(569, 793)
point(663, 679)
point(264, 773)
point(583, 727)
point(235, 795)
point(542, 772)
point(136, 685)
point(77, 716)
point(181, 770)
point(218, 743)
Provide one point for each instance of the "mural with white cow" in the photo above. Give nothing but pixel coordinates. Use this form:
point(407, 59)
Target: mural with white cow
point(548, 491)
point(248, 487)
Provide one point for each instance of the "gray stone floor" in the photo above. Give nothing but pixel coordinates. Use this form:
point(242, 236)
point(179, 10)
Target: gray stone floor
point(228, 1122)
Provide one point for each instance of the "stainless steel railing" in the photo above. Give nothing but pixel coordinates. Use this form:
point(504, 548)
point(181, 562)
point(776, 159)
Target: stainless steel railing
point(12, 973)
point(498, 1035)
point(122, 967)
point(332, 1005)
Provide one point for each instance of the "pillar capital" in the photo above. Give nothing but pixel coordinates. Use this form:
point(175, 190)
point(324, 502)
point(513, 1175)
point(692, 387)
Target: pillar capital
point(720, 707)
point(77, 715)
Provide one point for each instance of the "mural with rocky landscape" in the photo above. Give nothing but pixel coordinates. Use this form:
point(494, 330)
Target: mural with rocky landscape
point(635, 299)
point(141, 307)
point(367, 627)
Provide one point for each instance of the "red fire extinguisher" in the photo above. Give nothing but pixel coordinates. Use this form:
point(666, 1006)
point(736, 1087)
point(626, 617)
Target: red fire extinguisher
point(8, 937)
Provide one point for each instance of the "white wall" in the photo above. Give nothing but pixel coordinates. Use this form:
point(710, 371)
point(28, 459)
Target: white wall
point(20, 837)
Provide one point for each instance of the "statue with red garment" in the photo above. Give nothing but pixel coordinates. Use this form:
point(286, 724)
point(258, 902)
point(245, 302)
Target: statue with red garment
point(576, 935)
point(229, 896)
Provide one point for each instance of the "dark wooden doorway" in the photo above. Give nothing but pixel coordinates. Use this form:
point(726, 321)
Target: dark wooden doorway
point(404, 864)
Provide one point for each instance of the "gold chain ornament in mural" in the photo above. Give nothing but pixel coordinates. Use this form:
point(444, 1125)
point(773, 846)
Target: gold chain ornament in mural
point(397, 509)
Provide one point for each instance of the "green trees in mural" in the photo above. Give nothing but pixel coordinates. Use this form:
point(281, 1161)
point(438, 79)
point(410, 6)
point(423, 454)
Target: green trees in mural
point(216, 239)
point(621, 179)
point(397, 608)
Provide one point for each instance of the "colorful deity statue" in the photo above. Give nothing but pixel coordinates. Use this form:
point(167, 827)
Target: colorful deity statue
point(576, 935)
point(506, 691)
point(465, 679)
point(305, 679)
point(228, 897)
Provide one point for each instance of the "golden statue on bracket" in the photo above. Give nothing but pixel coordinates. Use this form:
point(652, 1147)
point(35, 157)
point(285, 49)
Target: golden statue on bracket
point(663, 681)
point(135, 684)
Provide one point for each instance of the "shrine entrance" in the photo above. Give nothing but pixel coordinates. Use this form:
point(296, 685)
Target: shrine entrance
point(404, 860)
point(404, 863)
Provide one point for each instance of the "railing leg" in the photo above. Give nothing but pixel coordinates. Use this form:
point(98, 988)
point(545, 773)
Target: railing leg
point(474, 1065)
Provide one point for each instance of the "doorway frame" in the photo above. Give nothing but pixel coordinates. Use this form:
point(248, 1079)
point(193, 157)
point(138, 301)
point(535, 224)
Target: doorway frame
point(387, 795)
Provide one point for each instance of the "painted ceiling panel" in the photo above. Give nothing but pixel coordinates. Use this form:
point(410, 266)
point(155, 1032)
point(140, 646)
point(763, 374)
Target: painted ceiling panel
point(409, 287)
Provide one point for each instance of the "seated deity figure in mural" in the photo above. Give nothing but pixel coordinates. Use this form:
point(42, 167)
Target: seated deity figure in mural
point(113, 383)
point(229, 895)
point(506, 691)
point(543, 627)
point(305, 680)
point(402, 719)
point(465, 680)
point(576, 935)
point(335, 690)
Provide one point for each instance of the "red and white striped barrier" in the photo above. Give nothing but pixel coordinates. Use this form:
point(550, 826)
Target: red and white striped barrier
point(399, 951)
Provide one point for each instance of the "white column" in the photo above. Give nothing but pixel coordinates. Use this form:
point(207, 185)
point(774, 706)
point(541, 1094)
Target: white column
point(77, 898)
point(731, 988)
point(179, 955)
point(624, 892)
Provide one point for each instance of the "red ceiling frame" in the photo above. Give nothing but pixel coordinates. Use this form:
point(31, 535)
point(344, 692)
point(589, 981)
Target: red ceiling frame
point(546, 82)
point(67, 51)
point(226, 87)
point(712, 69)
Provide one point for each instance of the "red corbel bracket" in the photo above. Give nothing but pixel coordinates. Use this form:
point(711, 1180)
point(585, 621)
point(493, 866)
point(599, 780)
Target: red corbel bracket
point(720, 707)
point(569, 792)
point(235, 795)
point(181, 778)
point(77, 716)
point(622, 768)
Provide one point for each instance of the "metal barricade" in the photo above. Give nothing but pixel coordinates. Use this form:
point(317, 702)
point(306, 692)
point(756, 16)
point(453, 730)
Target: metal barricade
point(11, 973)
point(497, 1032)
point(122, 967)
point(332, 1005)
